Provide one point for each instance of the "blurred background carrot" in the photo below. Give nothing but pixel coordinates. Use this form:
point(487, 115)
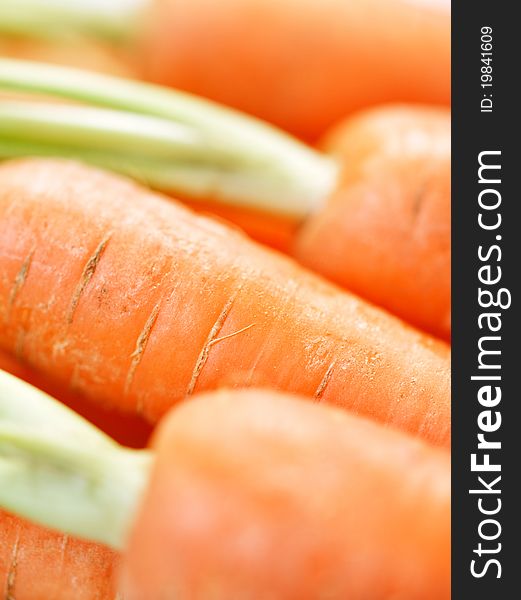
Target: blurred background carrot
point(300, 64)
point(385, 232)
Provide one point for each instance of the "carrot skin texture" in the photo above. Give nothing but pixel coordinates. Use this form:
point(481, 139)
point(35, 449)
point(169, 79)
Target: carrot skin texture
point(39, 564)
point(385, 233)
point(301, 64)
point(156, 303)
point(259, 495)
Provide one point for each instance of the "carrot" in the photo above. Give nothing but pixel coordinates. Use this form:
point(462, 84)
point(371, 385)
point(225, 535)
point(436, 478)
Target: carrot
point(301, 64)
point(38, 564)
point(259, 495)
point(139, 303)
point(379, 226)
point(386, 130)
point(385, 232)
point(255, 494)
point(128, 430)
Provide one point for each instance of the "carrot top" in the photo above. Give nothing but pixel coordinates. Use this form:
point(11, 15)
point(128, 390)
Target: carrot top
point(173, 141)
point(58, 469)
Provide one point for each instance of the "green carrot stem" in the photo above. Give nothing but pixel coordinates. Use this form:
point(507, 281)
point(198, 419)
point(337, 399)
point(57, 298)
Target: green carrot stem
point(191, 145)
point(111, 20)
point(60, 471)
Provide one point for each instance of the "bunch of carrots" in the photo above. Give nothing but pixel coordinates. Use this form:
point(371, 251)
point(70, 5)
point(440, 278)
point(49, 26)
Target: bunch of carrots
point(224, 352)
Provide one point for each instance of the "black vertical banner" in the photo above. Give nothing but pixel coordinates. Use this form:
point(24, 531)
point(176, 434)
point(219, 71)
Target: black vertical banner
point(486, 250)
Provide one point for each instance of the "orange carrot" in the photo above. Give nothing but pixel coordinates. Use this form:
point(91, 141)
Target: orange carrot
point(301, 64)
point(385, 232)
point(138, 303)
point(387, 130)
point(39, 564)
point(258, 495)
point(128, 430)
point(247, 494)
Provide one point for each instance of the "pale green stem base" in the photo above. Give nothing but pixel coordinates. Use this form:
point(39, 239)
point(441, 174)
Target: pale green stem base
point(173, 141)
point(59, 470)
